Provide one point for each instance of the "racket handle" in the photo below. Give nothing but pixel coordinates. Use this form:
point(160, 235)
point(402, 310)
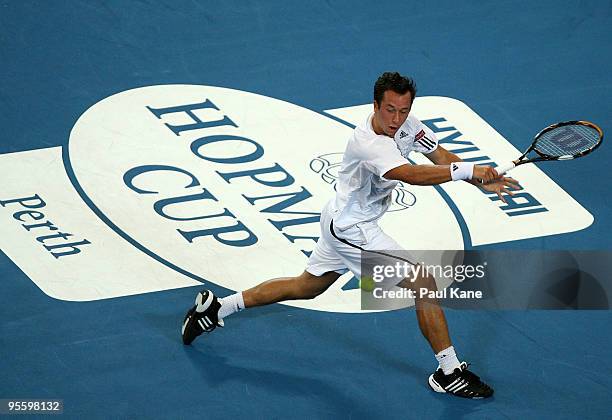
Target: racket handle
point(502, 169)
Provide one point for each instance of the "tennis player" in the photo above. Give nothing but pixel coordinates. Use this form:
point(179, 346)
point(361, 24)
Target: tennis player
point(374, 161)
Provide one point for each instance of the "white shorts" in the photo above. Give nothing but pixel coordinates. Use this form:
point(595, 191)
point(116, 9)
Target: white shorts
point(330, 254)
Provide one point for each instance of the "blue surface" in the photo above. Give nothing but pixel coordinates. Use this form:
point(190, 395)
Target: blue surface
point(520, 65)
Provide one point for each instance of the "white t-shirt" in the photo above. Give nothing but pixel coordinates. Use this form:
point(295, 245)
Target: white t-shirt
point(362, 193)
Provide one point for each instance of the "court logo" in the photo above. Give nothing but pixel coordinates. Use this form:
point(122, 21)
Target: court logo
point(178, 185)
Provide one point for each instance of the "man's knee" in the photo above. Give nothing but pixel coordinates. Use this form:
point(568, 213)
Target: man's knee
point(421, 282)
point(309, 286)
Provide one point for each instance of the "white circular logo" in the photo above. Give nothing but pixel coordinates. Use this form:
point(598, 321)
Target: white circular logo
point(219, 183)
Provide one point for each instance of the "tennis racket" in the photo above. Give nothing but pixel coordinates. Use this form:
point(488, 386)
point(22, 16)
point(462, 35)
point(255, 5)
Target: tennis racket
point(562, 141)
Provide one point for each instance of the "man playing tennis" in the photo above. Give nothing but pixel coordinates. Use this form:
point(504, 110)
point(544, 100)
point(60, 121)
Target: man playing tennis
point(374, 160)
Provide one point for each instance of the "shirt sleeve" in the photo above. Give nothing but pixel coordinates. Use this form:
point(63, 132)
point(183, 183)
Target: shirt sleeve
point(425, 141)
point(383, 155)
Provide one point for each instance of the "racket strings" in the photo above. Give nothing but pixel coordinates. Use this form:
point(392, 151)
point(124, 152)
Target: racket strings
point(567, 140)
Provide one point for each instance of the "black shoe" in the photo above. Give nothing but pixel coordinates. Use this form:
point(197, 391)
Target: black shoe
point(202, 317)
point(461, 383)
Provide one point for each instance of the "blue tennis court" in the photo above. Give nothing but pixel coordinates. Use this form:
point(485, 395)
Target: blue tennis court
point(96, 152)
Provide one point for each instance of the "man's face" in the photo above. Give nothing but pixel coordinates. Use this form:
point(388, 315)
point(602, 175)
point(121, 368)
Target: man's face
point(392, 112)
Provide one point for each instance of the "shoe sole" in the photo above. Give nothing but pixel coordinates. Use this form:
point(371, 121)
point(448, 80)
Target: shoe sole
point(202, 305)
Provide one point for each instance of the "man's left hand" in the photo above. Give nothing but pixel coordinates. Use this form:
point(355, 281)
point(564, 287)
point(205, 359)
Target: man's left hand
point(501, 186)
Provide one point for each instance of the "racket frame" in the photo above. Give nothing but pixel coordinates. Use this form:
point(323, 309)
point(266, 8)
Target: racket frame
point(543, 156)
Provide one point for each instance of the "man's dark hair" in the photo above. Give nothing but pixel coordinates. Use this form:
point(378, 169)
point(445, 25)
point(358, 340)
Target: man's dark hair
point(395, 82)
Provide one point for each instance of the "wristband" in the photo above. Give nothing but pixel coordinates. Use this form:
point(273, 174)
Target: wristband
point(461, 170)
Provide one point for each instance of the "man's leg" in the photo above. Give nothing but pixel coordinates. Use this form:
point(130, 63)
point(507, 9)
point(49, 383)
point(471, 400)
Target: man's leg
point(430, 315)
point(209, 311)
point(304, 286)
point(432, 321)
point(451, 375)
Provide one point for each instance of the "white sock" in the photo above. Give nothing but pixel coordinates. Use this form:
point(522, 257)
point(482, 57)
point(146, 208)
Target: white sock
point(447, 360)
point(231, 304)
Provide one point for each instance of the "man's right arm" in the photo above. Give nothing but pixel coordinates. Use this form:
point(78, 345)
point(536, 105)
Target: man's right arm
point(435, 174)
